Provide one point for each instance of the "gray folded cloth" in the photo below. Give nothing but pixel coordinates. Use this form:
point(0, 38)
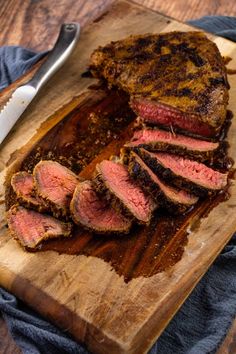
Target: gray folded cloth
point(202, 322)
point(14, 62)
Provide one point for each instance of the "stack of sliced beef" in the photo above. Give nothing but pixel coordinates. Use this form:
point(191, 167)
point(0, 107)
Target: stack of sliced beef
point(43, 197)
point(178, 86)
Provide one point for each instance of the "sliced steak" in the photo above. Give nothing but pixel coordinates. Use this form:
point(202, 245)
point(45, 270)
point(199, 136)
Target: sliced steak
point(23, 185)
point(168, 117)
point(175, 79)
point(30, 228)
point(161, 140)
point(175, 200)
point(55, 184)
point(122, 191)
point(186, 174)
point(95, 213)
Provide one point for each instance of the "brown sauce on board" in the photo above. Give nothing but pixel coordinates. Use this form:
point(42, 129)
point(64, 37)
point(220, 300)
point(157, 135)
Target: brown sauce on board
point(94, 131)
point(227, 60)
point(231, 71)
point(145, 251)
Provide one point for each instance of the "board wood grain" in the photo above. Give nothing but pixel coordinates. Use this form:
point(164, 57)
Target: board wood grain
point(36, 23)
point(84, 294)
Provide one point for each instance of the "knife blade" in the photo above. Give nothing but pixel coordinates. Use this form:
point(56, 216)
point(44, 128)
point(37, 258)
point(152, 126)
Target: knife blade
point(23, 95)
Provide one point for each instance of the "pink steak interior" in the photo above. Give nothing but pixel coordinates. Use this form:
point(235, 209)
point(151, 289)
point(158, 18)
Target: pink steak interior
point(30, 227)
point(176, 195)
point(91, 210)
point(147, 136)
point(55, 182)
point(119, 182)
point(160, 114)
point(192, 170)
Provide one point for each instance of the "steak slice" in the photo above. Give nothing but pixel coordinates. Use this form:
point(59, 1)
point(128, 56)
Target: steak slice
point(95, 213)
point(167, 117)
point(30, 228)
point(23, 185)
point(175, 200)
point(175, 79)
point(55, 184)
point(186, 174)
point(122, 191)
point(161, 140)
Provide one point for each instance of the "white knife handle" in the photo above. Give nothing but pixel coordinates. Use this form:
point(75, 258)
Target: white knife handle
point(66, 41)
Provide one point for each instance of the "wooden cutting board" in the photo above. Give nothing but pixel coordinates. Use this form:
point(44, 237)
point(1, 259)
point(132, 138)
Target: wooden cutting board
point(114, 295)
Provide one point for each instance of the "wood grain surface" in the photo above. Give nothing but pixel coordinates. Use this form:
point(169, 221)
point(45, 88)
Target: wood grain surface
point(34, 24)
point(184, 10)
point(38, 14)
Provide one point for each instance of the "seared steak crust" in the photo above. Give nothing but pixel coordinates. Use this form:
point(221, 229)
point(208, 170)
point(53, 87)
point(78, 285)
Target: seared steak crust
point(174, 200)
point(23, 185)
point(180, 180)
point(55, 184)
point(178, 75)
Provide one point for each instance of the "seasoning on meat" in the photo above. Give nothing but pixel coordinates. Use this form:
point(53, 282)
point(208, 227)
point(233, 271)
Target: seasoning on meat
point(176, 80)
point(55, 184)
point(175, 200)
point(23, 185)
point(186, 174)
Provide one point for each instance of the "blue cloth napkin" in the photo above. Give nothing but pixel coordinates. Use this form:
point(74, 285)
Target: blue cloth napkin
point(14, 62)
point(223, 26)
point(202, 322)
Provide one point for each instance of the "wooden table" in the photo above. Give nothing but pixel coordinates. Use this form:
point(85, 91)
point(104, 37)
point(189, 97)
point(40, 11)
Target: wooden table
point(35, 25)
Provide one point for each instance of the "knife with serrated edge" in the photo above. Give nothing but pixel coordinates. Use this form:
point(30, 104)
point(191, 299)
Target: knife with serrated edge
point(23, 95)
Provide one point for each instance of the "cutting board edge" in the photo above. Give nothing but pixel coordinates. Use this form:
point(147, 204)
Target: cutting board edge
point(226, 241)
point(35, 298)
point(187, 293)
point(16, 284)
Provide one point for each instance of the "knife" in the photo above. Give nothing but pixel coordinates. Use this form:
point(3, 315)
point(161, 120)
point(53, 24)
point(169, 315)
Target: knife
point(23, 95)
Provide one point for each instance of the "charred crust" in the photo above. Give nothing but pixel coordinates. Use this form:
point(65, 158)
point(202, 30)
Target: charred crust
point(30, 205)
point(209, 157)
point(168, 176)
point(116, 204)
point(144, 42)
point(157, 56)
point(56, 211)
point(27, 202)
point(215, 81)
point(47, 207)
point(143, 177)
